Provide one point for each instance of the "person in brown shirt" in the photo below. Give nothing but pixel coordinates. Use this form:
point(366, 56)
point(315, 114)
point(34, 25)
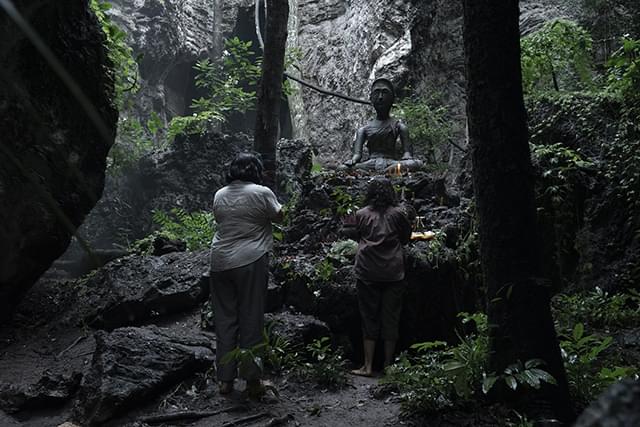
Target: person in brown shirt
point(381, 228)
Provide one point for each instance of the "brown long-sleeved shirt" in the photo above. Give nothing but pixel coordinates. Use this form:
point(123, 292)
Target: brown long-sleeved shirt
point(381, 235)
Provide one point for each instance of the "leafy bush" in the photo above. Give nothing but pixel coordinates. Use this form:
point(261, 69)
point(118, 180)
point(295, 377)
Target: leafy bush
point(345, 204)
point(196, 229)
point(557, 54)
point(429, 128)
point(583, 362)
point(343, 251)
point(323, 271)
point(436, 375)
point(327, 367)
point(274, 353)
point(597, 309)
point(230, 83)
point(528, 374)
point(624, 70)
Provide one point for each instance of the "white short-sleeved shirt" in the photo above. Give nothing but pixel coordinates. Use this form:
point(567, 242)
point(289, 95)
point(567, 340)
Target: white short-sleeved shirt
point(243, 212)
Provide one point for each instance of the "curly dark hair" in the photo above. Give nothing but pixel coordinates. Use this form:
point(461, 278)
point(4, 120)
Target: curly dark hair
point(245, 167)
point(380, 193)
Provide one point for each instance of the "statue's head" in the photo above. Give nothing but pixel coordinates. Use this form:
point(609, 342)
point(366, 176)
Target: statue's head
point(382, 95)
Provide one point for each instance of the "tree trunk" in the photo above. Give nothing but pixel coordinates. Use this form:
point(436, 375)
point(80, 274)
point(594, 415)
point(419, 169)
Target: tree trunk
point(267, 129)
point(521, 326)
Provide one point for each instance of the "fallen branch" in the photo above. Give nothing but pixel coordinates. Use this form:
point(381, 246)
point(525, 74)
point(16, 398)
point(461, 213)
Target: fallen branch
point(246, 419)
point(278, 421)
point(186, 415)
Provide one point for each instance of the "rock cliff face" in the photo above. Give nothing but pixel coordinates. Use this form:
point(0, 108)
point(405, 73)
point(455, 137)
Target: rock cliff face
point(170, 36)
point(52, 155)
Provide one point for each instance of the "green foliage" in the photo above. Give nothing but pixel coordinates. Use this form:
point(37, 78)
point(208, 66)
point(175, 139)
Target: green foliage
point(195, 229)
point(436, 376)
point(344, 202)
point(273, 353)
point(587, 377)
point(327, 367)
point(230, 83)
point(624, 70)
point(558, 53)
point(598, 309)
point(429, 126)
point(316, 168)
point(120, 54)
point(324, 271)
point(528, 374)
point(343, 251)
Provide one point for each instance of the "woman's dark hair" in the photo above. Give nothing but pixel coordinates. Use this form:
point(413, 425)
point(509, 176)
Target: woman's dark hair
point(245, 167)
point(380, 193)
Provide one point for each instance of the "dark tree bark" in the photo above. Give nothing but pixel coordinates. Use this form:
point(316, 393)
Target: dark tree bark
point(270, 90)
point(521, 326)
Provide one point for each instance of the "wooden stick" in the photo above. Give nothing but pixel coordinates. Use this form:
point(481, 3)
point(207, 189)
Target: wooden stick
point(186, 415)
point(246, 419)
point(277, 421)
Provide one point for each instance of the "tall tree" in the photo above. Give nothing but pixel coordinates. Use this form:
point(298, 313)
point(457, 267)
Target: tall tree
point(267, 129)
point(521, 325)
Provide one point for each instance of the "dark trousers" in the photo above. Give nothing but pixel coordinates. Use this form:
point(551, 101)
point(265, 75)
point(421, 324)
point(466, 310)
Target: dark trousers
point(239, 297)
point(380, 306)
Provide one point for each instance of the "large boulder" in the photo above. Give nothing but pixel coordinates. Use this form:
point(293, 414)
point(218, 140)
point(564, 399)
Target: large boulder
point(137, 288)
point(54, 144)
point(618, 406)
point(132, 364)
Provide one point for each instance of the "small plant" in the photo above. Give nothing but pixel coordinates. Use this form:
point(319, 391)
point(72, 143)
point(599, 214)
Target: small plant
point(438, 376)
point(195, 229)
point(324, 271)
point(517, 374)
point(274, 353)
point(327, 367)
point(344, 202)
point(343, 251)
point(582, 354)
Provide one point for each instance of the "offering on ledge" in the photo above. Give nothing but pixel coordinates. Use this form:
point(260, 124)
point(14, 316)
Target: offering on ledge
point(422, 235)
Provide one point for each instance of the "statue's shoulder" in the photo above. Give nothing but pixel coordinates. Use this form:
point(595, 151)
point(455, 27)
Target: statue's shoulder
point(368, 126)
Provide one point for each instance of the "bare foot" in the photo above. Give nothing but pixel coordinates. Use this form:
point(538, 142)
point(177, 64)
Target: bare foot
point(362, 372)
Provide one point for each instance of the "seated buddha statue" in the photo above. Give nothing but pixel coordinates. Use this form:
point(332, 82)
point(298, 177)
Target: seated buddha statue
point(381, 134)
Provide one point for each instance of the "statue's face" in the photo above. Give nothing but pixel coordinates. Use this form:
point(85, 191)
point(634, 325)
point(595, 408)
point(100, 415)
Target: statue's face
point(381, 97)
